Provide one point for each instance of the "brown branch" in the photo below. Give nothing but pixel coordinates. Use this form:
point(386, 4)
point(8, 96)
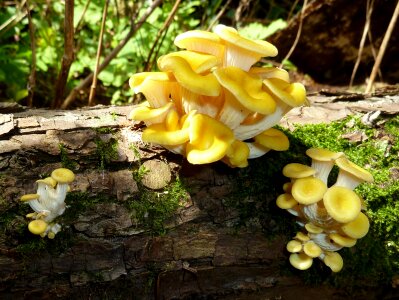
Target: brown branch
point(219, 15)
point(32, 75)
point(134, 27)
point(68, 56)
point(298, 34)
point(165, 26)
point(369, 11)
point(100, 43)
point(382, 49)
point(374, 52)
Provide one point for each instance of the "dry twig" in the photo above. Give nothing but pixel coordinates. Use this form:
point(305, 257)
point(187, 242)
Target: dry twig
point(134, 27)
point(298, 34)
point(165, 26)
point(369, 11)
point(68, 56)
point(219, 15)
point(32, 75)
point(382, 49)
point(99, 47)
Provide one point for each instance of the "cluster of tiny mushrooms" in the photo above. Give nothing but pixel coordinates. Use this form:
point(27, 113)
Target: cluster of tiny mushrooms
point(331, 217)
point(209, 102)
point(49, 202)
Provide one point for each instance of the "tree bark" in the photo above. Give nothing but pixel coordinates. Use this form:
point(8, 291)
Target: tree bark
point(108, 250)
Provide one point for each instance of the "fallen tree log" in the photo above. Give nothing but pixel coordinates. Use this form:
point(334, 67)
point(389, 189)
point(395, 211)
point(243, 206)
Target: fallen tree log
point(135, 234)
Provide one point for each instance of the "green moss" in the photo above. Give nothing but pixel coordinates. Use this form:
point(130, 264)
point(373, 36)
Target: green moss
point(153, 208)
point(65, 160)
point(106, 151)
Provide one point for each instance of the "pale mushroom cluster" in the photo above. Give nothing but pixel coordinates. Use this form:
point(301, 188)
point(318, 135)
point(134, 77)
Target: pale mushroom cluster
point(331, 217)
point(48, 202)
point(209, 102)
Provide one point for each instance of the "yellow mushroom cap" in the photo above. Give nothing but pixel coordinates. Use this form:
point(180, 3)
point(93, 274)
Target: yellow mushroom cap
point(145, 113)
point(273, 139)
point(169, 133)
point(237, 154)
point(63, 175)
point(302, 237)
point(323, 154)
point(342, 240)
point(334, 261)
point(294, 246)
point(358, 173)
point(247, 89)
point(240, 51)
point(48, 181)
point(358, 228)
point(270, 72)
point(296, 170)
point(286, 201)
point(198, 62)
point(294, 94)
point(209, 140)
point(312, 249)
point(200, 41)
point(37, 226)
point(308, 190)
point(29, 197)
point(200, 84)
point(287, 187)
point(301, 261)
point(342, 204)
point(311, 228)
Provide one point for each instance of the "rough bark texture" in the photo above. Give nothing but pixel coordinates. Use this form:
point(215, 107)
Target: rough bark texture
point(108, 253)
point(328, 53)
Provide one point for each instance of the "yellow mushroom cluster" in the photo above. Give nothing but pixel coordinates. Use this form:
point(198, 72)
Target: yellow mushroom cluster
point(331, 217)
point(209, 102)
point(48, 202)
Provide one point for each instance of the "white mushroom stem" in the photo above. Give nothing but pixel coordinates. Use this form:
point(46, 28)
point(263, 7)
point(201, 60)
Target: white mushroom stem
point(36, 205)
point(323, 169)
point(347, 180)
point(232, 112)
point(256, 150)
point(244, 132)
point(324, 242)
point(317, 215)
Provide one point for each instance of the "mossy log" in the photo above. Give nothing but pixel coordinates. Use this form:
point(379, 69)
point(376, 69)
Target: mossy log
point(131, 232)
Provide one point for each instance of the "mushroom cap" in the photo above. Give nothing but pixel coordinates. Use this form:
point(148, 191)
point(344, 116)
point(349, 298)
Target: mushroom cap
point(296, 170)
point(301, 261)
point(29, 197)
point(199, 62)
point(270, 72)
point(144, 113)
point(308, 190)
point(246, 88)
point(259, 47)
point(294, 246)
point(37, 226)
point(200, 41)
point(344, 164)
point(273, 139)
point(294, 94)
point(342, 204)
point(358, 228)
point(323, 154)
point(311, 228)
point(302, 237)
point(187, 78)
point(342, 240)
point(312, 249)
point(209, 140)
point(63, 175)
point(286, 201)
point(47, 181)
point(287, 187)
point(237, 154)
point(334, 261)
